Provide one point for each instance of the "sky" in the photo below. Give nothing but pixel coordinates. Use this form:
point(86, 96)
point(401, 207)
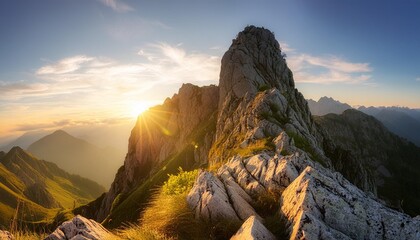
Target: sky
point(82, 63)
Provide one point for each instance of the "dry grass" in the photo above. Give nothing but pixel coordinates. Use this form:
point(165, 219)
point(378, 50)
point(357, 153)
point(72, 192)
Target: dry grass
point(136, 232)
point(23, 235)
point(171, 216)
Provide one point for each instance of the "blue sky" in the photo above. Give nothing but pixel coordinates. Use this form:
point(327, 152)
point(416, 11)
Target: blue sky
point(81, 62)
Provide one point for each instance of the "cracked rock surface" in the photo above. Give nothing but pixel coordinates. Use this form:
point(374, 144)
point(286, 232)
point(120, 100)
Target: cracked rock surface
point(80, 228)
point(267, 142)
point(251, 229)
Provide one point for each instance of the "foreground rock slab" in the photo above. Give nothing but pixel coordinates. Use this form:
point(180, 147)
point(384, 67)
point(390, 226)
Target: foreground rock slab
point(251, 229)
point(322, 204)
point(80, 228)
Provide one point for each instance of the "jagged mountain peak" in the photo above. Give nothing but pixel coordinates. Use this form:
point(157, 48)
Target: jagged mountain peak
point(257, 96)
point(263, 141)
point(253, 62)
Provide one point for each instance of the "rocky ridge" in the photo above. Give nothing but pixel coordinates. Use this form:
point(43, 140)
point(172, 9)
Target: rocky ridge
point(258, 103)
point(265, 143)
point(327, 105)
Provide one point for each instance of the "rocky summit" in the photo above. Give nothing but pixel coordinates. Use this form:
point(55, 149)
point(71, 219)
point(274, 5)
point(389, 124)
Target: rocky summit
point(265, 161)
point(277, 148)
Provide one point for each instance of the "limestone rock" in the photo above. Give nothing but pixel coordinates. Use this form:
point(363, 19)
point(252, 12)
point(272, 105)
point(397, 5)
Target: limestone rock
point(80, 228)
point(324, 205)
point(5, 235)
point(253, 229)
point(209, 200)
point(257, 96)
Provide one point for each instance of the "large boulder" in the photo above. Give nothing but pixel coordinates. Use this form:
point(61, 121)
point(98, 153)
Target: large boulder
point(80, 228)
point(209, 199)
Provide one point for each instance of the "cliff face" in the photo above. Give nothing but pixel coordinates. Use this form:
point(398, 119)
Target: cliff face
point(161, 132)
point(268, 154)
point(257, 97)
point(267, 144)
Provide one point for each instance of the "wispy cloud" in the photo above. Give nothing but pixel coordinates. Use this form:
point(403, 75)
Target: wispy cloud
point(117, 5)
point(66, 65)
point(418, 79)
point(286, 47)
point(327, 69)
point(93, 85)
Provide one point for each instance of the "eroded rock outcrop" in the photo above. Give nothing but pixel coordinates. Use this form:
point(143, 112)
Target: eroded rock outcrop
point(268, 142)
point(258, 97)
point(80, 228)
point(264, 142)
point(253, 229)
point(324, 205)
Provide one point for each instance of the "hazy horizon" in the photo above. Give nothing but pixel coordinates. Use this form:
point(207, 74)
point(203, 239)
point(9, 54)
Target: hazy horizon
point(114, 59)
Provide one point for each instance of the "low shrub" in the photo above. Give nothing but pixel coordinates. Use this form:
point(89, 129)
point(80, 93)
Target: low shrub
point(179, 184)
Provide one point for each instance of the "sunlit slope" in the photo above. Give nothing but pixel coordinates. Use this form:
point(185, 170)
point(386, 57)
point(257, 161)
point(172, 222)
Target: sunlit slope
point(39, 188)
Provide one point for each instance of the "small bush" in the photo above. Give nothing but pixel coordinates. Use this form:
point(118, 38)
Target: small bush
point(181, 183)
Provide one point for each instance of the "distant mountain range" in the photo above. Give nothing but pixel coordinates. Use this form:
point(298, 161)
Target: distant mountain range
point(402, 121)
point(39, 189)
point(25, 140)
point(327, 105)
point(77, 156)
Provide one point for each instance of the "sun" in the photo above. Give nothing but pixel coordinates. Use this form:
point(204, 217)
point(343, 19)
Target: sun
point(138, 108)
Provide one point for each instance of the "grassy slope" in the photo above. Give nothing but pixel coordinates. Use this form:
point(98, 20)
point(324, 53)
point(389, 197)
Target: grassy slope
point(19, 167)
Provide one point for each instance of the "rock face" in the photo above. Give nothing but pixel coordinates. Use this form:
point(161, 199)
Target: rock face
point(258, 98)
point(80, 228)
point(159, 133)
point(267, 142)
point(324, 205)
point(251, 229)
point(265, 149)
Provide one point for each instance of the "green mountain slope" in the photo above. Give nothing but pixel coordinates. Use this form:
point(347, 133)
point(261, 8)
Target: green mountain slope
point(39, 188)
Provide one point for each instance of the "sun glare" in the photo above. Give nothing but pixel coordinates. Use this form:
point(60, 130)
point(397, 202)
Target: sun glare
point(138, 108)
